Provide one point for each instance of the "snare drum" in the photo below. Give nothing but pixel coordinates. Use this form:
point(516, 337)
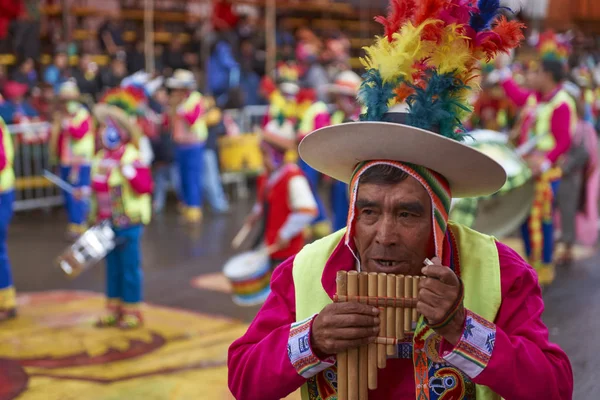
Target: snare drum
point(88, 250)
point(249, 274)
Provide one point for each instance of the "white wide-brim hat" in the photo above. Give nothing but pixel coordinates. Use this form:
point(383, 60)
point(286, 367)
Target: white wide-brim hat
point(182, 79)
point(346, 83)
point(336, 150)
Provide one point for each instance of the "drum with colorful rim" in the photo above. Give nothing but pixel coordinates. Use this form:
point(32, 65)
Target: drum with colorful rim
point(249, 274)
point(505, 211)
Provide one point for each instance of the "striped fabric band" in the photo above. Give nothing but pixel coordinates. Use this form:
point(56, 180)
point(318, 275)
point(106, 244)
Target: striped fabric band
point(436, 185)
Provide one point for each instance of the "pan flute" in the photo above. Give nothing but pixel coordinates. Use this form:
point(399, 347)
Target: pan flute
point(396, 297)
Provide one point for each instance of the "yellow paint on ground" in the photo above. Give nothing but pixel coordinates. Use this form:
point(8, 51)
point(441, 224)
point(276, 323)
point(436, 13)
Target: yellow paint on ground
point(189, 361)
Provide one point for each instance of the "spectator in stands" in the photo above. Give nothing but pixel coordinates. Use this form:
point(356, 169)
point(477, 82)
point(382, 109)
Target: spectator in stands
point(17, 109)
point(57, 73)
point(223, 17)
point(110, 35)
point(9, 11)
point(26, 73)
point(112, 75)
point(42, 100)
point(86, 76)
point(136, 59)
point(173, 57)
point(27, 31)
point(249, 78)
point(315, 76)
point(223, 69)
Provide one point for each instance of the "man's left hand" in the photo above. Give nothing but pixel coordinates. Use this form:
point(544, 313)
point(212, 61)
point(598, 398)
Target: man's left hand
point(438, 294)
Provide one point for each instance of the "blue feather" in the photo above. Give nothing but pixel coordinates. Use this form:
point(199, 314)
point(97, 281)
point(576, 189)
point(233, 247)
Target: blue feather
point(437, 105)
point(375, 95)
point(482, 19)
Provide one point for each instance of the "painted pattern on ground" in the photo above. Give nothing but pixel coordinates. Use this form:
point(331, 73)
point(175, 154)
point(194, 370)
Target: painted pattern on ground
point(53, 351)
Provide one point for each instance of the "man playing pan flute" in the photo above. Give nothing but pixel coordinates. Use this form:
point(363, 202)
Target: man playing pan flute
point(480, 333)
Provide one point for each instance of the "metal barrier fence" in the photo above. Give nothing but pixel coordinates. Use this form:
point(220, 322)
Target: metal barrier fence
point(32, 156)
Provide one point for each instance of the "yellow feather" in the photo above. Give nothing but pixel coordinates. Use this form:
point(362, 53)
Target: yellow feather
point(396, 59)
point(453, 53)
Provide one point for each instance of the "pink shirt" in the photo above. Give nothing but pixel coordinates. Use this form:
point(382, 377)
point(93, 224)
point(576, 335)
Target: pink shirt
point(560, 125)
point(523, 363)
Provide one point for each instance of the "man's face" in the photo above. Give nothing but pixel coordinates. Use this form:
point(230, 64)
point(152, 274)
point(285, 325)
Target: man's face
point(61, 60)
point(393, 228)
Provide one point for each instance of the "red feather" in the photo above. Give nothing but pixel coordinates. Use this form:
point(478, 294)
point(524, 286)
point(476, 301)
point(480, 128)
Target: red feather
point(510, 33)
point(399, 12)
point(429, 9)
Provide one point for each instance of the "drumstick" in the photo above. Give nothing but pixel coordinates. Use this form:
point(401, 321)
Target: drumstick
point(59, 182)
point(353, 383)
point(342, 358)
point(241, 236)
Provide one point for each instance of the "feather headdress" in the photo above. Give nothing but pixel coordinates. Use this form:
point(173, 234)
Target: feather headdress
point(130, 99)
point(553, 47)
point(429, 58)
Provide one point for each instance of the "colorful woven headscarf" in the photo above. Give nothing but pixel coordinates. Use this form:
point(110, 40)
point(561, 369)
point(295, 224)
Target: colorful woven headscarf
point(436, 186)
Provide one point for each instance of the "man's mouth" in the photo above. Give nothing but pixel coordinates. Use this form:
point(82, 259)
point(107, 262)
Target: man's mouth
point(386, 263)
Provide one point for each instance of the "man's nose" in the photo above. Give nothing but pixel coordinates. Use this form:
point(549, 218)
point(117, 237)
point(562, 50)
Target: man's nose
point(387, 231)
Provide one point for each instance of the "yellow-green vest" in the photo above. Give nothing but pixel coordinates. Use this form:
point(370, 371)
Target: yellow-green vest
point(7, 175)
point(138, 208)
point(307, 123)
point(338, 117)
point(544, 119)
point(480, 273)
point(84, 147)
point(199, 128)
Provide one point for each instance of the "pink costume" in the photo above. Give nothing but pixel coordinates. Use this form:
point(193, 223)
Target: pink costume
point(523, 364)
point(560, 125)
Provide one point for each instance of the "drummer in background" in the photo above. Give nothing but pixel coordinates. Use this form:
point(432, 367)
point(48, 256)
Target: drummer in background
point(8, 301)
point(122, 187)
point(74, 146)
point(343, 92)
point(190, 133)
point(313, 114)
point(548, 116)
point(285, 202)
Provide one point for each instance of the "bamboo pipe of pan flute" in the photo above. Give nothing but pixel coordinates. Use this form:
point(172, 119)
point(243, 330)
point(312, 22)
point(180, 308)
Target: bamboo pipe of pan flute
point(399, 310)
point(391, 314)
point(363, 352)
point(353, 377)
point(415, 294)
point(407, 311)
point(381, 292)
point(372, 367)
point(342, 358)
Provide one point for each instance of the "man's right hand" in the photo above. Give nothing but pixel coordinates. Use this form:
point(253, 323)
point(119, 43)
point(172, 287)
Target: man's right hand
point(341, 326)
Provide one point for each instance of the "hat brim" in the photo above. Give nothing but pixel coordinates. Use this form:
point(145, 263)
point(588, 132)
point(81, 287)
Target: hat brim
point(336, 150)
point(102, 112)
point(343, 90)
point(178, 84)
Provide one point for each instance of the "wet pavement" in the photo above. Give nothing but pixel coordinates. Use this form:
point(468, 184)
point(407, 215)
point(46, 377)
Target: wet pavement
point(174, 255)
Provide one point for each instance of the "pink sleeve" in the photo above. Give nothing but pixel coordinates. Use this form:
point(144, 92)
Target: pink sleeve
point(562, 132)
point(515, 93)
point(142, 180)
point(193, 115)
point(514, 357)
point(3, 159)
point(77, 132)
point(99, 186)
point(261, 355)
point(322, 120)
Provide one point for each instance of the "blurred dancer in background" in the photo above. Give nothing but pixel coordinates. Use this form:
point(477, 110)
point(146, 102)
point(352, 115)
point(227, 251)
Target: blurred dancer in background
point(8, 302)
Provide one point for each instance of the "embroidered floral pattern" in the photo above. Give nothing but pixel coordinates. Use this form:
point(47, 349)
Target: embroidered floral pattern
point(300, 352)
point(474, 350)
